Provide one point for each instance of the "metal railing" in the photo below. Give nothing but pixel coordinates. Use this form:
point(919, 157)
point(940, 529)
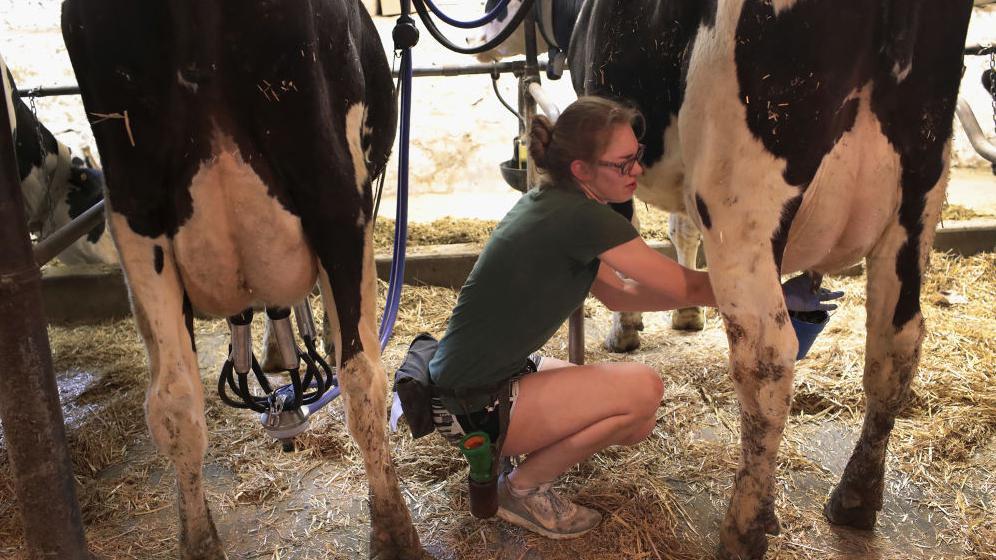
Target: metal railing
point(506, 67)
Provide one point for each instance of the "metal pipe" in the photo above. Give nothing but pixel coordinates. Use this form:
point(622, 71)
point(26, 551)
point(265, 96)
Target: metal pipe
point(982, 145)
point(510, 66)
point(575, 336)
point(49, 91)
point(530, 75)
point(544, 101)
point(29, 399)
point(48, 248)
point(980, 50)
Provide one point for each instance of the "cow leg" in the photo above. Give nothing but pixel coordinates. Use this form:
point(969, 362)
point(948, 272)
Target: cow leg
point(174, 404)
point(762, 346)
point(762, 351)
point(685, 237)
point(624, 336)
point(349, 293)
point(895, 331)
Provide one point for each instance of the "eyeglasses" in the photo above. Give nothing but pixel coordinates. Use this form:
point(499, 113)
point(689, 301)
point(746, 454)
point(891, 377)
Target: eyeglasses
point(626, 166)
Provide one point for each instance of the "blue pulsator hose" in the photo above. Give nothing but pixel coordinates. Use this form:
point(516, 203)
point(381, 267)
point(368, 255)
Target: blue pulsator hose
point(325, 399)
point(405, 37)
point(401, 215)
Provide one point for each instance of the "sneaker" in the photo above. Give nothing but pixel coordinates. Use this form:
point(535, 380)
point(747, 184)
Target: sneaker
point(544, 511)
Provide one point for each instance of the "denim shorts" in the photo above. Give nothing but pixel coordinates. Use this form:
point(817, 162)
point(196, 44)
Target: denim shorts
point(454, 426)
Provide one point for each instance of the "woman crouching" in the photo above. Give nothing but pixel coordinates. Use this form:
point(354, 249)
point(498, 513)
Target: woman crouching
point(560, 242)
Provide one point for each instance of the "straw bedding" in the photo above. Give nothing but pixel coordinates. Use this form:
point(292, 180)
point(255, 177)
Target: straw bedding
point(661, 499)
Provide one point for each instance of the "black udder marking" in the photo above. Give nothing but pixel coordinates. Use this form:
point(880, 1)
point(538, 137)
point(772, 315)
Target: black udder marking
point(703, 210)
point(780, 239)
point(188, 320)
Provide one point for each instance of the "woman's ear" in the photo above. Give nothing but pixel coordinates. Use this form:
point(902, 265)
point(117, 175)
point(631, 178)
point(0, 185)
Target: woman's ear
point(581, 171)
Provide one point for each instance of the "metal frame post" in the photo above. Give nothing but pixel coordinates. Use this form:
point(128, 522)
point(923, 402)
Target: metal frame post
point(530, 75)
point(29, 399)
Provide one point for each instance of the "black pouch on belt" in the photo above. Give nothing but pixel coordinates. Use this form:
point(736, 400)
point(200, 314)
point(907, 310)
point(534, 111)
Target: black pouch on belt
point(413, 386)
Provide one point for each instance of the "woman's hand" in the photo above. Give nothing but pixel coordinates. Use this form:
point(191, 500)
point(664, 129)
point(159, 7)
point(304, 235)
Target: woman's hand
point(801, 295)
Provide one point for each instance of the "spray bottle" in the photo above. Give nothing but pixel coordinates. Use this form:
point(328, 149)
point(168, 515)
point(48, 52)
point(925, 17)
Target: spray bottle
point(482, 480)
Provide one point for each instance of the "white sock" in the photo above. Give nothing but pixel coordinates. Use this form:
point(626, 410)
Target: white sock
point(514, 490)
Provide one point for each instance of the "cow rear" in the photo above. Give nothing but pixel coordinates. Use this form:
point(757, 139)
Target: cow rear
point(239, 143)
point(815, 134)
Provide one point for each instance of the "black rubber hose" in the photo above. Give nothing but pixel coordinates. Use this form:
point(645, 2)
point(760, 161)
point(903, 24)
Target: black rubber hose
point(512, 25)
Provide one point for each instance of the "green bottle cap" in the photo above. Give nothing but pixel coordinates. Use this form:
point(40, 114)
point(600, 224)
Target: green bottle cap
point(476, 447)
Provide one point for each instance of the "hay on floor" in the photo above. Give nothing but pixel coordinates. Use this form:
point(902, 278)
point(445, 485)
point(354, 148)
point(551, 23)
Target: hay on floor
point(661, 499)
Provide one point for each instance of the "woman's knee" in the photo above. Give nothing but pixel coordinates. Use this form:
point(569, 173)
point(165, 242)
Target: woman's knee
point(646, 388)
point(642, 427)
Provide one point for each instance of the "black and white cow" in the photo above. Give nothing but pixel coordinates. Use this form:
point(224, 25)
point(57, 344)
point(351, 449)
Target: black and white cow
point(239, 141)
point(644, 69)
point(554, 19)
point(799, 135)
point(815, 134)
point(56, 186)
point(634, 51)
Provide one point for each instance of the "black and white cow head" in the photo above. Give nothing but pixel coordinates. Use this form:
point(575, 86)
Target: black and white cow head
point(56, 187)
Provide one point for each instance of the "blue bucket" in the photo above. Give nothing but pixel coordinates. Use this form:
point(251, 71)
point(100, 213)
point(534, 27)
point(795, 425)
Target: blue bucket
point(807, 327)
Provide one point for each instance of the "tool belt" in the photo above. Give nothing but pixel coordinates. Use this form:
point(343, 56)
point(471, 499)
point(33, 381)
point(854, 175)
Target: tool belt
point(415, 388)
point(415, 391)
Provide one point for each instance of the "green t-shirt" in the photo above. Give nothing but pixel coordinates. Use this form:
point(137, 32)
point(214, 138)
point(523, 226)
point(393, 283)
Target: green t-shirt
point(536, 269)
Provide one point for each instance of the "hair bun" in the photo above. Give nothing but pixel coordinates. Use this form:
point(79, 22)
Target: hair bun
point(540, 136)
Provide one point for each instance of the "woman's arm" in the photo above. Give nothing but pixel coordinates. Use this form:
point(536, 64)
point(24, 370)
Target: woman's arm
point(654, 283)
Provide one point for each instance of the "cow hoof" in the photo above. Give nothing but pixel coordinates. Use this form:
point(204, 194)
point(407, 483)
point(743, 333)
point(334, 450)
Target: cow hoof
point(201, 542)
point(400, 555)
point(386, 551)
point(206, 550)
point(394, 538)
point(624, 336)
point(621, 342)
point(858, 517)
point(688, 319)
point(751, 545)
point(771, 525)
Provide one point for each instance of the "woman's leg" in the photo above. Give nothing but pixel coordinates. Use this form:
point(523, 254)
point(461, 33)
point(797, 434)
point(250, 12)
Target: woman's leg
point(548, 363)
point(564, 415)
